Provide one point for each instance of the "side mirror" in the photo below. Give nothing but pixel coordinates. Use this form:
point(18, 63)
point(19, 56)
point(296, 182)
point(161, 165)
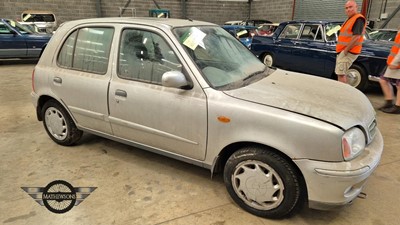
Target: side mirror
point(175, 79)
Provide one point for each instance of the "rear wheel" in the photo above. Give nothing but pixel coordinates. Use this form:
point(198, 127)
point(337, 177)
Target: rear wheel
point(357, 77)
point(59, 124)
point(263, 182)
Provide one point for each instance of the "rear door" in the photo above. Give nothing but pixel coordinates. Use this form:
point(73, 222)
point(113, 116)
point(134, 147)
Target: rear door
point(145, 112)
point(83, 75)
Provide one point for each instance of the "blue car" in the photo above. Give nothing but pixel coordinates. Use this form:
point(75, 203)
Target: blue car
point(244, 33)
point(17, 41)
point(309, 47)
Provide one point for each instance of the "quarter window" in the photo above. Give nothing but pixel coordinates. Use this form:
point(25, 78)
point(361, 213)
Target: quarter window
point(145, 56)
point(87, 49)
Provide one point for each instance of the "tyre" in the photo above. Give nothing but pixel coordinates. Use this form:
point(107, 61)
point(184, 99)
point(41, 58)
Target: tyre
point(357, 77)
point(268, 59)
point(263, 183)
point(59, 124)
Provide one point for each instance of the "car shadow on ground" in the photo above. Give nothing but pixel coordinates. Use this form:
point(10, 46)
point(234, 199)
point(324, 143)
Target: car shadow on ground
point(18, 61)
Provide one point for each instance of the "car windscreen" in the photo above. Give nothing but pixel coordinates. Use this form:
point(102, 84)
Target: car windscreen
point(224, 61)
point(19, 27)
point(38, 17)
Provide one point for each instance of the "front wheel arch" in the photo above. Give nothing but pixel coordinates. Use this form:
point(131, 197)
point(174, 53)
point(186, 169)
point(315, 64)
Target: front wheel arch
point(268, 59)
point(293, 186)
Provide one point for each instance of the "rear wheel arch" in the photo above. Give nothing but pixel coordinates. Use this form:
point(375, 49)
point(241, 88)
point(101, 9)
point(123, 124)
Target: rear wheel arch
point(59, 124)
point(42, 100)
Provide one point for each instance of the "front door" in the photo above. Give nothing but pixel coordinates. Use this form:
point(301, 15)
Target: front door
point(145, 112)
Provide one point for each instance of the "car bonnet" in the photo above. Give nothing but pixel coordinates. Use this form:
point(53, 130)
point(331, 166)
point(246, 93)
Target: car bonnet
point(320, 98)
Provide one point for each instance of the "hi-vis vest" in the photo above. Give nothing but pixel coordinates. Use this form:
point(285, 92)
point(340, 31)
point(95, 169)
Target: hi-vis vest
point(395, 50)
point(346, 33)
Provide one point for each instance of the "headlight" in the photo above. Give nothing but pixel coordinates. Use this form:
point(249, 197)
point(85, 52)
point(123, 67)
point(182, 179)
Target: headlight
point(353, 143)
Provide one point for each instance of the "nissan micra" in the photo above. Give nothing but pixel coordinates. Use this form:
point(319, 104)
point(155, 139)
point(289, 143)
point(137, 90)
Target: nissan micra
point(189, 90)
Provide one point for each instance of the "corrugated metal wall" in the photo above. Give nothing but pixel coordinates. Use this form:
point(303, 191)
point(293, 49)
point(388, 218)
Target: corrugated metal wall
point(321, 9)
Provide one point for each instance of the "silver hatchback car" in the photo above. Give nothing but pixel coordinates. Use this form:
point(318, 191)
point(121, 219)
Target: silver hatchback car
point(189, 90)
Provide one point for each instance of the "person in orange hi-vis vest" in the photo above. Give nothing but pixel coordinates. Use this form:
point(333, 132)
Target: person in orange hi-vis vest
point(350, 40)
point(392, 75)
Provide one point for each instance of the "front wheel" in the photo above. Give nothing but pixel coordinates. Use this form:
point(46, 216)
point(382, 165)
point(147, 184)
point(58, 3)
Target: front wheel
point(268, 59)
point(357, 77)
point(263, 183)
point(59, 125)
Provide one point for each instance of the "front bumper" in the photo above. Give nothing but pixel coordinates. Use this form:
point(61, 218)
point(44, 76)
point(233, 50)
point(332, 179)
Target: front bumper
point(334, 184)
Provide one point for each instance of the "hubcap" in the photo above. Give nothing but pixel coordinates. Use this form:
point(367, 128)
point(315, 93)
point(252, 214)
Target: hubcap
point(258, 185)
point(268, 60)
point(353, 77)
point(55, 123)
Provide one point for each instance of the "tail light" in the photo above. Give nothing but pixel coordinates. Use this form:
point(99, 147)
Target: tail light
point(33, 80)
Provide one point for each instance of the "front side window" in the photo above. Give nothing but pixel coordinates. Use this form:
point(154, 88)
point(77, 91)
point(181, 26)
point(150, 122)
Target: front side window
point(290, 31)
point(311, 32)
point(145, 56)
point(332, 31)
point(87, 49)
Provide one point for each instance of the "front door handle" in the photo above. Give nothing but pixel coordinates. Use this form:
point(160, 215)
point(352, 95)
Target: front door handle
point(57, 80)
point(121, 93)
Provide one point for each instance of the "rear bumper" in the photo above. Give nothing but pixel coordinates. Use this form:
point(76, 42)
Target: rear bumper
point(331, 185)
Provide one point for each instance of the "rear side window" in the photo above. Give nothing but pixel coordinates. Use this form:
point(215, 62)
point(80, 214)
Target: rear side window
point(87, 49)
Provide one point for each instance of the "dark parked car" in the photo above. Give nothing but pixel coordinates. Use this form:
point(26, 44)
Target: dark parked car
point(243, 33)
point(309, 47)
point(17, 41)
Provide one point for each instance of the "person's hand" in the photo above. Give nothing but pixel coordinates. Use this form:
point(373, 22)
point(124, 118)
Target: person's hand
point(345, 52)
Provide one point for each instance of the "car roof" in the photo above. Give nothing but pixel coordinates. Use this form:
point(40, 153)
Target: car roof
point(314, 21)
point(144, 21)
point(387, 29)
point(37, 12)
point(269, 24)
point(238, 27)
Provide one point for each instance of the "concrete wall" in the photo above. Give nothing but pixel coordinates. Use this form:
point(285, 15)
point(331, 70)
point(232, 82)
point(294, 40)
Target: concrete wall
point(215, 11)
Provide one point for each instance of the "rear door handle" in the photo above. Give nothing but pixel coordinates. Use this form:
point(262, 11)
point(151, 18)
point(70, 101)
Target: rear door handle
point(57, 80)
point(121, 93)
